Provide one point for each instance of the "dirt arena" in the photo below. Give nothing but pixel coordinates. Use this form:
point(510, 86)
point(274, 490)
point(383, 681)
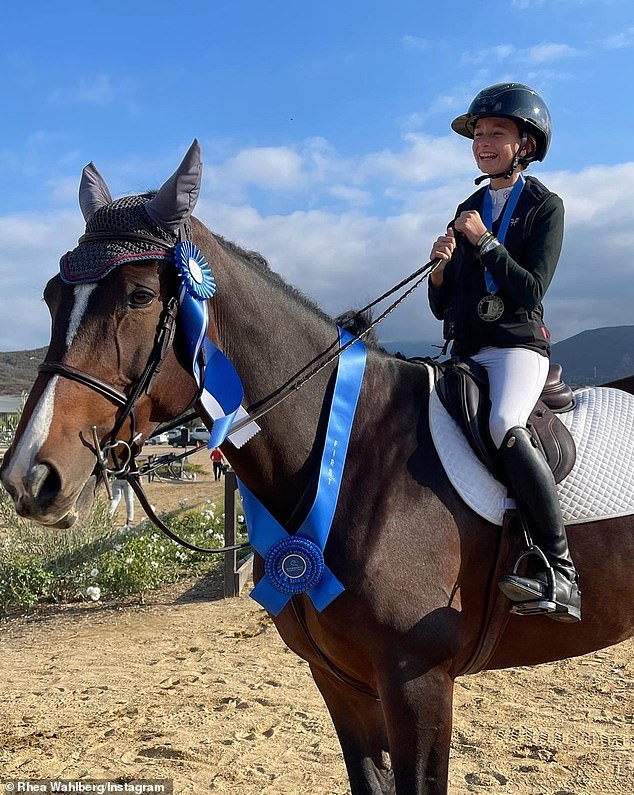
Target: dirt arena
point(201, 690)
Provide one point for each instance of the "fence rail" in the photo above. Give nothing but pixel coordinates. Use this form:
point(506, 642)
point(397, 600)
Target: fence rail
point(236, 573)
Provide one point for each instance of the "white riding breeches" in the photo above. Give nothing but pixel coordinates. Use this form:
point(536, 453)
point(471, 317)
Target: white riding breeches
point(516, 380)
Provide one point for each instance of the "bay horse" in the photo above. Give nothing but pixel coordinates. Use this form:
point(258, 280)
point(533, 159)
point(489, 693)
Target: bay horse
point(416, 562)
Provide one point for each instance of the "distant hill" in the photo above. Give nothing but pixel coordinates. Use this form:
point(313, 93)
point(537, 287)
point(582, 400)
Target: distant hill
point(591, 357)
point(18, 370)
point(597, 356)
point(411, 348)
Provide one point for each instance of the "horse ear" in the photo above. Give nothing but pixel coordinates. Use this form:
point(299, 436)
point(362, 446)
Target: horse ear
point(175, 201)
point(93, 191)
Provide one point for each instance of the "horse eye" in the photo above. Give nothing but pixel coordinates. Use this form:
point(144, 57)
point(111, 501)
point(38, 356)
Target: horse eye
point(141, 297)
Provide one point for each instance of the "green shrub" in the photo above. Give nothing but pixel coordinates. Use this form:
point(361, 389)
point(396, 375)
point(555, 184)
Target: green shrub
point(94, 561)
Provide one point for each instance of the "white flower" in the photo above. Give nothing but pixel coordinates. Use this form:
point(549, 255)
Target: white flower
point(93, 574)
point(240, 517)
point(118, 547)
point(93, 592)
point(128, 561)
point(154, 564)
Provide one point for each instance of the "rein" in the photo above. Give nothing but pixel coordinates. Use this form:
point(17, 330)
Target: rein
point(298, 380)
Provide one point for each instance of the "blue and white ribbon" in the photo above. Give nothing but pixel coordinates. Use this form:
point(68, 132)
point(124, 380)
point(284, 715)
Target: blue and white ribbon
point(295, 563)
point(222, 391)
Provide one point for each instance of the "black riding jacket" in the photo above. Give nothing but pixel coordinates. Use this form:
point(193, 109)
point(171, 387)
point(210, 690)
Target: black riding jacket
point(523, 268)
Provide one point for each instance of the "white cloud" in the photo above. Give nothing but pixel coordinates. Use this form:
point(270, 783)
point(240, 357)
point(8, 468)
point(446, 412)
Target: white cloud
point(268, 167)
point(620, 40)
point(353, 196)
point(98, 90)
point(417, 43)
point(544, 52)
point(366, 223)
point(524, 4)
point(30, 249)
point(425, 159)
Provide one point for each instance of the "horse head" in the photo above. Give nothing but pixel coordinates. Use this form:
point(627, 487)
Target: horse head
point(101, 387)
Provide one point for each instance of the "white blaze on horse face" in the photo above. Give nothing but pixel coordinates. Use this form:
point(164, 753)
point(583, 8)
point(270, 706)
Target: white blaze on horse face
point(39, 425)
point(82, 294)
point(35, 434)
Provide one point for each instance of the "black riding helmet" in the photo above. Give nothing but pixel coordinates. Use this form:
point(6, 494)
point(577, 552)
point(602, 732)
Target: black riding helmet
point(511, 101)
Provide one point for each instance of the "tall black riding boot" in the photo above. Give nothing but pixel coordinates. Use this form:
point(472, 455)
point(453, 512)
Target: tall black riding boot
point(536, 494)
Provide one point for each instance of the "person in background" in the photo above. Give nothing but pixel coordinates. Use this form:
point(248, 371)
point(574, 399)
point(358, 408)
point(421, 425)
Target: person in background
point(217, 459)
point(122, 487)
point(496, 260)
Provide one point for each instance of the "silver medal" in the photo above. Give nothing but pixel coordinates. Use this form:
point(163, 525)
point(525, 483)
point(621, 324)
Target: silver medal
point(490, 308)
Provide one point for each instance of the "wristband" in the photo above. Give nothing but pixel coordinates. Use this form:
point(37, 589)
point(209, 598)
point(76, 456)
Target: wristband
point(489, 244)
point(483, 239)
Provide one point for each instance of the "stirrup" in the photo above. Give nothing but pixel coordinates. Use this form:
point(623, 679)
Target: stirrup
point(540, 604)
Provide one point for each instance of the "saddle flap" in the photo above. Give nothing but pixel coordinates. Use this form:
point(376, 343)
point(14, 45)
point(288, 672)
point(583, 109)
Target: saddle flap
point(463, 390)
point(554, 440)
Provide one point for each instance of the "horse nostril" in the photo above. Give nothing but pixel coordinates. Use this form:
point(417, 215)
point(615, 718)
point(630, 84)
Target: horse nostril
point(43, 483)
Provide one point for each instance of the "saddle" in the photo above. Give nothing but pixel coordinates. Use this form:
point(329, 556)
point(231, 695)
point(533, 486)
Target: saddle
point(463, 388)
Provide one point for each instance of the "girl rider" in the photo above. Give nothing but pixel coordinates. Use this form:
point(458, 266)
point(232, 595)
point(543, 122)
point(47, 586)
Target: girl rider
point(497, 259)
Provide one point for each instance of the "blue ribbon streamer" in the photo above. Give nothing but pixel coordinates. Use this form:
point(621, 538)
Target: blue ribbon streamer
point(487, 217)
point(222, 388)
point(294, 564)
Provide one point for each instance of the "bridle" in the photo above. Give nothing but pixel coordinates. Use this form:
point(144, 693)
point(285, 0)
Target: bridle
point(163, 339)
point(124, 464)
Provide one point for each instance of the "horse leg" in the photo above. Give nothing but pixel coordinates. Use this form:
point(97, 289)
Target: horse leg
point(358, 721)
point(418, 714)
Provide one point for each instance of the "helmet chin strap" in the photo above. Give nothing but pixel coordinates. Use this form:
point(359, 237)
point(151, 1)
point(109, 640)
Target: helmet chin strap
point(517, 161)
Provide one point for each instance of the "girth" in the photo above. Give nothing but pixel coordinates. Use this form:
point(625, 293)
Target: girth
point(463, 388)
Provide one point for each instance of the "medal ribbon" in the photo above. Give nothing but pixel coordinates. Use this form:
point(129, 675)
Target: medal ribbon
point(294, 563)
point(487, 217)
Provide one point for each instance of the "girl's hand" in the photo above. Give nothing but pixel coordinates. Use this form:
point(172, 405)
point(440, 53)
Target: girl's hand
point(471, 225)
point(444, 247)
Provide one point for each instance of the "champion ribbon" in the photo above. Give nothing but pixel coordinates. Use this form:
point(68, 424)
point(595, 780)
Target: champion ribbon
point(487, 217)
point(295, 563)
point(222, 391)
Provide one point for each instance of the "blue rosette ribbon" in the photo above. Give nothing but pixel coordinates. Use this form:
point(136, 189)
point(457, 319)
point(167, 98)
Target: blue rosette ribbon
point(222, 392)
point(295, 563)
point(194, 270)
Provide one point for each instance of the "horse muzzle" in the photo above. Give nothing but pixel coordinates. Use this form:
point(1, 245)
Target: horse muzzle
point(37, 494)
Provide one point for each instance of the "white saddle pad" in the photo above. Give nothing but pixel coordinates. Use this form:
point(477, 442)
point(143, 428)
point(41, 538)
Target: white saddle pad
point(601, 483)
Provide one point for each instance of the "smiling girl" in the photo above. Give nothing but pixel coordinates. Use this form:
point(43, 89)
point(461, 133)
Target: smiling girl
point(497, 259)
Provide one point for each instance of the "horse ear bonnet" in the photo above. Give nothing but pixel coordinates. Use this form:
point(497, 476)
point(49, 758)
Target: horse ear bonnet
point(163, 217)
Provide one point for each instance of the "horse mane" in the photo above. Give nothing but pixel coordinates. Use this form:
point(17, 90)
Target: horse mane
point(351, 320)
point(257, 262)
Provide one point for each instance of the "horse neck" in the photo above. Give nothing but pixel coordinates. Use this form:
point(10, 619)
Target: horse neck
point(269, 333)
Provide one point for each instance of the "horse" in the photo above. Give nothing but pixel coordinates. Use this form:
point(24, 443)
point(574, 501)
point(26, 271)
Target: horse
point(415, 561)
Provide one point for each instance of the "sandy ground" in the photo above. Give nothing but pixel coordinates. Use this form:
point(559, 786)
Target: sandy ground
point(202, 690)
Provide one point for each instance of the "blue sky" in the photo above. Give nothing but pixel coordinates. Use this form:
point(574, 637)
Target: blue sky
point(325, 134)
